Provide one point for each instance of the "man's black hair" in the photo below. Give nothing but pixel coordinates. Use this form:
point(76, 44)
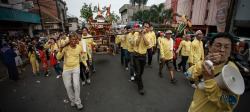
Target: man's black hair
point(128, 27)
point(223, 35)
point(145, 22)
point(85, 28)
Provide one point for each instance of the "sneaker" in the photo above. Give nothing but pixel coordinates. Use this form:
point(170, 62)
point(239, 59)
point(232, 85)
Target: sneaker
point(83, 83)
point(88, 81)
point(58, 76)
point(132, 78)
point(47, 75)
point(141, 91)
point(127, 69)
point(134, 74)
point(173, 80)
point(178, 69)
point(73, 104)
point(79, 106)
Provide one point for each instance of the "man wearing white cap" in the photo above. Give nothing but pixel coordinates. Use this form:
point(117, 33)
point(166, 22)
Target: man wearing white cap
point(166, 49)
point(196, 52)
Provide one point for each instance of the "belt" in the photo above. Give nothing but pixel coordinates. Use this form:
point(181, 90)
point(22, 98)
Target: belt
point(137, 54)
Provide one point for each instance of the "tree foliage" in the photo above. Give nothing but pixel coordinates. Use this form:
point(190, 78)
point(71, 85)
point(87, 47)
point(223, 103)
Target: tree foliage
point(86, 12)
point(114, 17)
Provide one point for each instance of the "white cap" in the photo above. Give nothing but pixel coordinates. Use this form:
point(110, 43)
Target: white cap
point(168, 31)
point(198, 32)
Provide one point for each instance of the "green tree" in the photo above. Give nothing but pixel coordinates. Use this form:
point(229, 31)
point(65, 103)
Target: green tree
point(86, 12)
point(138, 2)
point(141, 15)
point(157, 10)
point(114, 17)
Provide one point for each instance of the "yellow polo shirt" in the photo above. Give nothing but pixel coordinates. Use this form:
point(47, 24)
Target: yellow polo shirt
point(213, 99)
point(72, 57)
point(32, 56)
point(185, 46)
point(152, 40)
point(142, 47)
point(136, 36)
point(130, 42)
point(165, 49)
point(117, 39)
point(159, 42)
point(122, 40)
point(55, 47)
point(196, 52)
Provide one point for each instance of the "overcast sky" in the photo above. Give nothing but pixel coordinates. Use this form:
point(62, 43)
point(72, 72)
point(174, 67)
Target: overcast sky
point(74, 6)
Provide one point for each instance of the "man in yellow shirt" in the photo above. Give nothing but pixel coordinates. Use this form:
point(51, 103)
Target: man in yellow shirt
point(158, 44)
point(127, 46)
point(152, 44)
point(185, 50)
point(213, 98)
point(140, 55)
point(196, 52)
point(117, 42)
point(122, 45)
point(166, 50)
point(73, 55)
point(89, 42)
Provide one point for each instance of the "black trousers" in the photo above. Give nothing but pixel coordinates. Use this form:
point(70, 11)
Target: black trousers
point(150, 55)
point(183, 63)
point(139, 63)
point(122, 55)
point(82, 71)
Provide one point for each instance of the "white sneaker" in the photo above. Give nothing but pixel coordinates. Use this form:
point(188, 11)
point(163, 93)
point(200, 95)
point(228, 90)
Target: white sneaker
point(88, 81)
point(83, 83)
point(132, 78)
point(127, 69)
point(79, 106)
point(58, 76)
point(134, 74)
point(73, 104)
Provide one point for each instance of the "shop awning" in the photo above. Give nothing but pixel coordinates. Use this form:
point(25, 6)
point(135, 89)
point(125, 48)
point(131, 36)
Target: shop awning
point(18, 15)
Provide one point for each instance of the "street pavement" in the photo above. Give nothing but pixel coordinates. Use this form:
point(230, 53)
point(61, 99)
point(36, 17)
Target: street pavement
point(110, 91)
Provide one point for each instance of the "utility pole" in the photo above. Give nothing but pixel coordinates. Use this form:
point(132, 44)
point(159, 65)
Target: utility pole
point(40, 15)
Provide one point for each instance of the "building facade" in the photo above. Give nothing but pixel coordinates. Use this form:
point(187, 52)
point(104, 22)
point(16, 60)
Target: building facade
point(127, 11)
point(53, 16)
point(15, 20)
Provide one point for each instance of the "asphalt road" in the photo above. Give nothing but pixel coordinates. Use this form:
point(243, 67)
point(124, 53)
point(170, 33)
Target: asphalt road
point(110, 91)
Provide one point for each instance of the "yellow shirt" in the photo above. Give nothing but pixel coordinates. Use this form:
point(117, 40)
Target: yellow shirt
point(130, 42)
point(52, 48)
point(213, 99)
point(122, 39)
point(136, 36)
point(32, 56)
point(72, 57)
point(159, 41)
point(196, 52)
point(152, 40)
point(142, 47)
point(89, 42)
point(87, 54)
point(117, 39)
point(165, 49)
point(185, 46)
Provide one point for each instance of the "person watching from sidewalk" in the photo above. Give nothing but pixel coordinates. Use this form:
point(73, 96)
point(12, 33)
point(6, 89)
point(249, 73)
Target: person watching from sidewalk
point(73, 55)
point(140, 55)
point(213, 99)
point(196, 52)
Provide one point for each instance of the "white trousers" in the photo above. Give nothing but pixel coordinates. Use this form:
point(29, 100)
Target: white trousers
point(67, 76)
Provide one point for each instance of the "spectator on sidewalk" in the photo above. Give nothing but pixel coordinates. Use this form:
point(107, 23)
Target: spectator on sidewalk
point(8, 56)
point(18, 60)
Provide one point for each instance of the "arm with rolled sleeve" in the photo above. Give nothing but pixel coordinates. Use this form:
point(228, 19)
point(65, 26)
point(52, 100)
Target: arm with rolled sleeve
point(47, 46)
point(60, 54)
point(180, 47)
